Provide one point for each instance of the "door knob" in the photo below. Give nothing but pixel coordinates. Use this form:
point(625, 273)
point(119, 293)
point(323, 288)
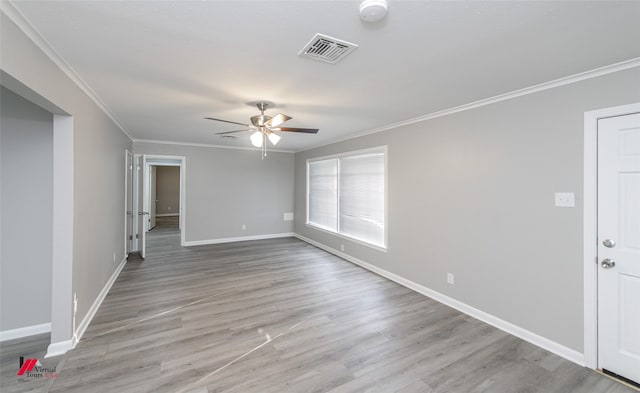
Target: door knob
point(607, 263)
point(608, 243)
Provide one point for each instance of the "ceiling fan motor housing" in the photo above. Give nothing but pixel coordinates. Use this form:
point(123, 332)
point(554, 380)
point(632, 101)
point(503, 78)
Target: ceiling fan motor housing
point(259, 120)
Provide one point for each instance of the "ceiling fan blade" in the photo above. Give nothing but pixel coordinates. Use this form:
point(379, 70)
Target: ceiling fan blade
point(293, 129)
point(227, 121)
point(277, 120)
point(231, 132)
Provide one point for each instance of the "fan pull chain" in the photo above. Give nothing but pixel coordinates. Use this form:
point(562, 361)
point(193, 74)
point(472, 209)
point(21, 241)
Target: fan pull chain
point(264, 145)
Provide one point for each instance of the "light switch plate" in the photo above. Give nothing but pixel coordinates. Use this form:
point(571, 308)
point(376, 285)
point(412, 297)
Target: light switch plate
point(565, 199)
point(288, 216)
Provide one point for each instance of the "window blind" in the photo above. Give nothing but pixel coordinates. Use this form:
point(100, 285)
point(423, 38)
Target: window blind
point(346, 195)
point(362, 197)
point(323, 194)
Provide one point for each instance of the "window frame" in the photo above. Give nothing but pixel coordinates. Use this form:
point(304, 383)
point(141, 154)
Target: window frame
point(338, 156)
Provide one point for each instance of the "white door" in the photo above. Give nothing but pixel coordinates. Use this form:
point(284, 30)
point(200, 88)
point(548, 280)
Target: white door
point(619, 245)
point(129, 201)
point(143, 213)
point(152, 196)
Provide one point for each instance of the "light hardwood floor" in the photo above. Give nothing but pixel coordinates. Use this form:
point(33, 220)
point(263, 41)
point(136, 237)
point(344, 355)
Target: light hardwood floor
point(283, 316)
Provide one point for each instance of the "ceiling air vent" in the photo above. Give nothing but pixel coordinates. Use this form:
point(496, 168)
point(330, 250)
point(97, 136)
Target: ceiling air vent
point(327, 49)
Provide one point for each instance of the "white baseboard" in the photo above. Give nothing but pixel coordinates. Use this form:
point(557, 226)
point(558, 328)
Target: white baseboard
point(59, 348)
point(542, 342)
point(84, 324)
point(237, 239)
point(168, 215)
point(25, 331)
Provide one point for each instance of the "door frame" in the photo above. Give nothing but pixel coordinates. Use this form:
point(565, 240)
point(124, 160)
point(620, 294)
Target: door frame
point(136, 241)
point(165, 162)
point(63, 312)
point(128, 193)
point(590, 226)
point(170, 160)
point(152, 178)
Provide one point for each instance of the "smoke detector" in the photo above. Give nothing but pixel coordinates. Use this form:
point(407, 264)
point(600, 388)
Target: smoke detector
point(373, 10)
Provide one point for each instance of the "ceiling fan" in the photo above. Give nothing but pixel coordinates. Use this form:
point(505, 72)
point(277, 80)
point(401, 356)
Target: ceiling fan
point(265, 127)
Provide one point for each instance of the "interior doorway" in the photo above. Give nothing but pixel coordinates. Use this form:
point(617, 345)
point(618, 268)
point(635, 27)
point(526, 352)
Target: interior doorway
point(159, 195)
point(163, 196)
point(59, 227)
point(612, 242)
point(26, 188)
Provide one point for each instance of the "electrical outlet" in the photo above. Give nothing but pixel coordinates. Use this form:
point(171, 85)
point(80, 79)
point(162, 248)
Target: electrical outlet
point(342, 247)
point(244, 227)
point(565, 199)
point(288, 217)
point(450, 278)
point(114, 256)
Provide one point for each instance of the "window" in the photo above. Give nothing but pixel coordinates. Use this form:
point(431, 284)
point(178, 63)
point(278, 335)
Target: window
point(346, 195)
point(323, 194)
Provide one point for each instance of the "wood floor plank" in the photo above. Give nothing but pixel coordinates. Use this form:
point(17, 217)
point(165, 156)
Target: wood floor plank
point(280, 315)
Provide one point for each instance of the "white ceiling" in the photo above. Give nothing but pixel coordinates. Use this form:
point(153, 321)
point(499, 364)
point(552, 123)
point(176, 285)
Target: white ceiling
point(160, 67)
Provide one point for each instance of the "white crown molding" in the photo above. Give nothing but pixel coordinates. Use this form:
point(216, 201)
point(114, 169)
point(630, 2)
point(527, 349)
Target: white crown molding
point(161, 142)
point(22, 22)
point(609, 69)
point(30, 31)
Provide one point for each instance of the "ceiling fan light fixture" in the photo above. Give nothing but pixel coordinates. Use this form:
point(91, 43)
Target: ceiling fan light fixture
point(263, 127)
point(256, 139)
point(274, 138)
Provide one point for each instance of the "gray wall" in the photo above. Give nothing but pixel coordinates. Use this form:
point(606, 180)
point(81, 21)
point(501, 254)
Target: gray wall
point(226, 188)
point(99, 160)
point(168, 190)
point(472, 194)
point(26, 143)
